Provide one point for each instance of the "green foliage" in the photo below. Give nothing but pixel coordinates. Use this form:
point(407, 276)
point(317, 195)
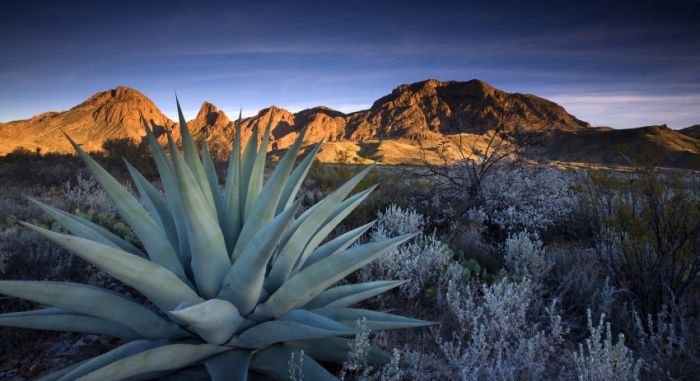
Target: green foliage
point(229, 275)
point(648, 228)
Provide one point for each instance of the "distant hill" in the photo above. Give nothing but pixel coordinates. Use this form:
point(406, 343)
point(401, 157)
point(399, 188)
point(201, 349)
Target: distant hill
point(692, 131)
point(411, 124)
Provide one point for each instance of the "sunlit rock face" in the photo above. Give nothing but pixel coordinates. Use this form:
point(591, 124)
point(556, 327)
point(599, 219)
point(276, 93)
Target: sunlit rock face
point(408, 126)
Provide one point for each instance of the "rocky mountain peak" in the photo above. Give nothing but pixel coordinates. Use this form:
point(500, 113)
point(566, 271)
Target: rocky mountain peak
point(392, 130)
point(211, 114)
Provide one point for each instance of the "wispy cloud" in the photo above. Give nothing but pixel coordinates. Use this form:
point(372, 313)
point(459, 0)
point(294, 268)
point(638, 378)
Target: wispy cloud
point(633, 110)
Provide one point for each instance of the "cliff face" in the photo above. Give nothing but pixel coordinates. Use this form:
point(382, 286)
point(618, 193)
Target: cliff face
point(396, 129)
point(451, 107)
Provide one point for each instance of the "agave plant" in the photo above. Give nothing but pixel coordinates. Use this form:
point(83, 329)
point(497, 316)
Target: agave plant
point(238, 281)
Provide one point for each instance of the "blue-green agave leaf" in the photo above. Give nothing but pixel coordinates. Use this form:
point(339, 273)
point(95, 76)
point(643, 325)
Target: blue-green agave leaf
point(56, 319)
point(118, 353)
point(232, 221)
point(229, 366)
point(192, 158)
point(304, 326)
point(215, 320)
point(267, 361)
point(210, 260)
point(212, 179)
point(349, 294)
point(311, 220)
point(96, 302)
point(255, 180)
point(81, 227)
point(308, 283)
point(342, 211)
point(266, 204)
point(337, 245)
point(155, 282)
point(158, 359)
point(336, 350)
point(146, 229)
point(296, 179)
point(375, 320)
point(172, 192)
point(156, 205)
point(243, 283)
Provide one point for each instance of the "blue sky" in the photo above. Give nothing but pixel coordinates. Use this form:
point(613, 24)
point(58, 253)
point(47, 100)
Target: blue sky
point(629, 64)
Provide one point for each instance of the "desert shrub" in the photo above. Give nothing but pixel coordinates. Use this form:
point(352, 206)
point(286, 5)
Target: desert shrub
point(578, 281)
point(421, 261)
point(496, 335)
point(602, 358)
point(86, 193)
point(32, 169)
point(666, 343)
point(526, 257)
point(29, 257)
point(396, 221)
point(529, 198)
point(648, 235)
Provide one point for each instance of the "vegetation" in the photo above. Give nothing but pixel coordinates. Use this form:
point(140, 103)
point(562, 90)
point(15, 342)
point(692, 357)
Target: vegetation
point(236, 281)
point(542, 274)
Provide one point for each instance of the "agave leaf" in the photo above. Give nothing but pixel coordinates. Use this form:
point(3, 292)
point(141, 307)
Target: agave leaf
point(308, 283)
point(192, 159)
point(267, 361)
point(159, 359)
point(244, 281)
point(336, 350)
point(212, 179)
point(277, 331)
point(266, 204)
point(156, 205)
point(115, 354)
point(54, 376)
point(247, 162)
point(310, 222)
point(232, 198)
point(193, 373)
point(93, 301)
point(347, 295)
point(255, 181)
point(229, 366)
point(337, 244)
point(155, 282)
point(55, 319)
point(210, 260)
point(149, 233)
point(375, 320)
point(342, 211)
point(296, 179)
point(82, 229)
point(167, 178)
point(214, 320)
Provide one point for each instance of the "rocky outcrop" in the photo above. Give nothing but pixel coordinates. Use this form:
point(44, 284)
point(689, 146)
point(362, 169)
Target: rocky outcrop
point(451, 107)
point(396, 129)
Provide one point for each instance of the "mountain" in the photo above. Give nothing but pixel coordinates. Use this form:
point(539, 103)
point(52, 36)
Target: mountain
point(413, 123)
point(112, 114)
point(452, 107)
point(692, 131)
point(651, 144)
